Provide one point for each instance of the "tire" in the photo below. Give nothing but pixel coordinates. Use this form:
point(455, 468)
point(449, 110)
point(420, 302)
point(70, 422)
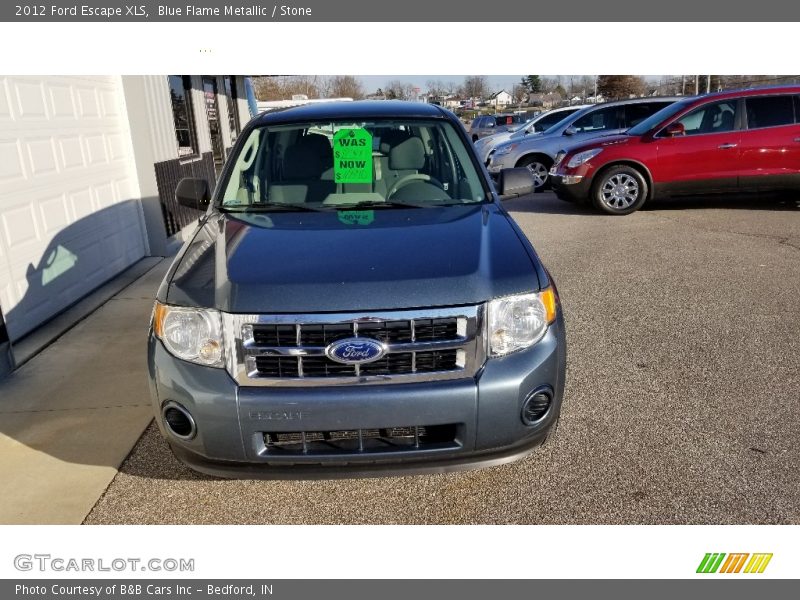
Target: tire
point(474, 138)
point(539, 167)
point(620, 190)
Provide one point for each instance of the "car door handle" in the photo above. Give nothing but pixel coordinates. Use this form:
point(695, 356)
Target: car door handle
point(797, 139)
point(727, 146)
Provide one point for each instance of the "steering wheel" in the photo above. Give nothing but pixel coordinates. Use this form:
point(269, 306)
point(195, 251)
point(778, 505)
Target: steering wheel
point(403, 181)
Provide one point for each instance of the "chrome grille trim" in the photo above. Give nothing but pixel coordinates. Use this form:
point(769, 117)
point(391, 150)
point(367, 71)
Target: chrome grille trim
point(242, 349)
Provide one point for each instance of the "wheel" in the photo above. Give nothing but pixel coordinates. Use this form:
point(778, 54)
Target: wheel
point(620, 190)
point(539, 168)
point(474, 138)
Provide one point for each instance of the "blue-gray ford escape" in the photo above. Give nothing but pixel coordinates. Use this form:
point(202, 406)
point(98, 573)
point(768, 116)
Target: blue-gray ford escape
point(355, 301)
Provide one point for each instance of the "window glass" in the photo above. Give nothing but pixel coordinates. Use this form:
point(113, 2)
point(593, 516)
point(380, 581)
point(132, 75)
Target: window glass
point(549, 120)
point(636, 113)
point(233, 113)
point(716, 117)
point(599, 120)
point(179, 91)
point(418, 162)
point(797, 109)
point(769, 111)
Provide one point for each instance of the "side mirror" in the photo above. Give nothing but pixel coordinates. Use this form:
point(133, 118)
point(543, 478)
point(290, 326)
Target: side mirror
point(675, 129)
point(570, 131)
point(515, 182)
point(193, 193)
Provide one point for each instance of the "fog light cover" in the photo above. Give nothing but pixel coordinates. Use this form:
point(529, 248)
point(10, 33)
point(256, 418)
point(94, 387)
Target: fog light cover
point(179, 421)
point(536, 406)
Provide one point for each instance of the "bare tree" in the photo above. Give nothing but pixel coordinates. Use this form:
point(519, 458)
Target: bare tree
point(620, 86)
point(345, 86)
point(436, 87)
point(520, 93)
point(451, 87)
point(476, 86)
point(548, 85)
point(399, 90)
point(283, 87)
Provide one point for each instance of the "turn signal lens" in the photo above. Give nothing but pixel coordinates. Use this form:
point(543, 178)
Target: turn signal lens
point(548, 298)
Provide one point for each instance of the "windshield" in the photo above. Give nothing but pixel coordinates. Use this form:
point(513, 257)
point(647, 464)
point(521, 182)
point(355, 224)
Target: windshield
point(554, 129)
point(516, 128)
point(330, 165)
point(658, 117)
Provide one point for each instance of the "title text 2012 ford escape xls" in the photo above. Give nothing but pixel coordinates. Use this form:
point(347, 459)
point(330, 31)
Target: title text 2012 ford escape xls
point(355, 301)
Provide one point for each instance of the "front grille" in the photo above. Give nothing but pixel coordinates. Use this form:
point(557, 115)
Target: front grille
point(388, 332)
point(400, 363)
point(441, 343)
point(350, 441)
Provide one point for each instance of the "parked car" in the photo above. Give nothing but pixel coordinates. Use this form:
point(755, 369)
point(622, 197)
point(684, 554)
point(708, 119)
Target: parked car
point(355, 302)
point(745, 140)
point(489, 124)
point(538, 153)
point(540, 123)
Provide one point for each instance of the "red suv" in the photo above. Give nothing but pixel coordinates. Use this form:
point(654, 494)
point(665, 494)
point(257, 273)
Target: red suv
point(744, 140)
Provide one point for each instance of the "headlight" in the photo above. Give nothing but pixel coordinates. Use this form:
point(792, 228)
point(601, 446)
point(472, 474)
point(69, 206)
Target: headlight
point(192, 334)
point(517, 322)
point(503, 150)
point(582, 157)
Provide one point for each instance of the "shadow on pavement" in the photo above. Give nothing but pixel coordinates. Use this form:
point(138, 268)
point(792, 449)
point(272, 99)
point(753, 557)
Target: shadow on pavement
point(548, 203)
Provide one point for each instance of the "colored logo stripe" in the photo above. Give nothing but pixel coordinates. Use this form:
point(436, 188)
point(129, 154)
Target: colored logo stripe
point(710, 562)
point(733, 564)
point(758, 563)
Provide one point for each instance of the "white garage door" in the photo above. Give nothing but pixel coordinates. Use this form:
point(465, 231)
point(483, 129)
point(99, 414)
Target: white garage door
point(70, 216)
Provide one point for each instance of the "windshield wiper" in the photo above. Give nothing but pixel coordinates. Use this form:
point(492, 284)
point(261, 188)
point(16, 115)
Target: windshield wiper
point(270, 207)
point(376, 204)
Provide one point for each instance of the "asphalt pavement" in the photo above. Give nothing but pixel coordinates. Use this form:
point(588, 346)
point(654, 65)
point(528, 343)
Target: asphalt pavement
point(682, 401)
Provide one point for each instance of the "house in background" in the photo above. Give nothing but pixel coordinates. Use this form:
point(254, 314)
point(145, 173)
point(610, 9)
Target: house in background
point(500, 99)
point(88, 171)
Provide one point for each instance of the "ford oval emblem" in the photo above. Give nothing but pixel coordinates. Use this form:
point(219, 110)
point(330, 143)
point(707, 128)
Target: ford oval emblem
point(354, 351)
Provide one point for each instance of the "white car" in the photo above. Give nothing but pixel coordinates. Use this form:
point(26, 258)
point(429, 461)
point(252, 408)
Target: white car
point(535, 125)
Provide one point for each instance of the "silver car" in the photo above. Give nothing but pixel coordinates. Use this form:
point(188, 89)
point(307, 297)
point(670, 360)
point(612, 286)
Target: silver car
point(490, 124)
point(538, 152)
point(538, 124)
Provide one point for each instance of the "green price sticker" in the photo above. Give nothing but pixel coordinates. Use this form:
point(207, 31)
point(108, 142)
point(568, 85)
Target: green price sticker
point(352, 156)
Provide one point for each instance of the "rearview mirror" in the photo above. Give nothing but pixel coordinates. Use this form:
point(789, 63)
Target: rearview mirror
point(193, 192)
point(515, 182)
point(675, 129)
point(570, 131)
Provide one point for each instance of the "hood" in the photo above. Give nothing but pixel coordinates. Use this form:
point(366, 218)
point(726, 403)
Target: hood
point(341, 261)
point(614, 139)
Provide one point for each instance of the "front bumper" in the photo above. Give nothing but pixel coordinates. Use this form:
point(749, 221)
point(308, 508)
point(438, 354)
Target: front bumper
point(231, 420)
point(574, 188)
point(496, 163)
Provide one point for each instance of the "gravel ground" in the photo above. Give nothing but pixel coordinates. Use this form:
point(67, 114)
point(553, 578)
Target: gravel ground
point(681, 403)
